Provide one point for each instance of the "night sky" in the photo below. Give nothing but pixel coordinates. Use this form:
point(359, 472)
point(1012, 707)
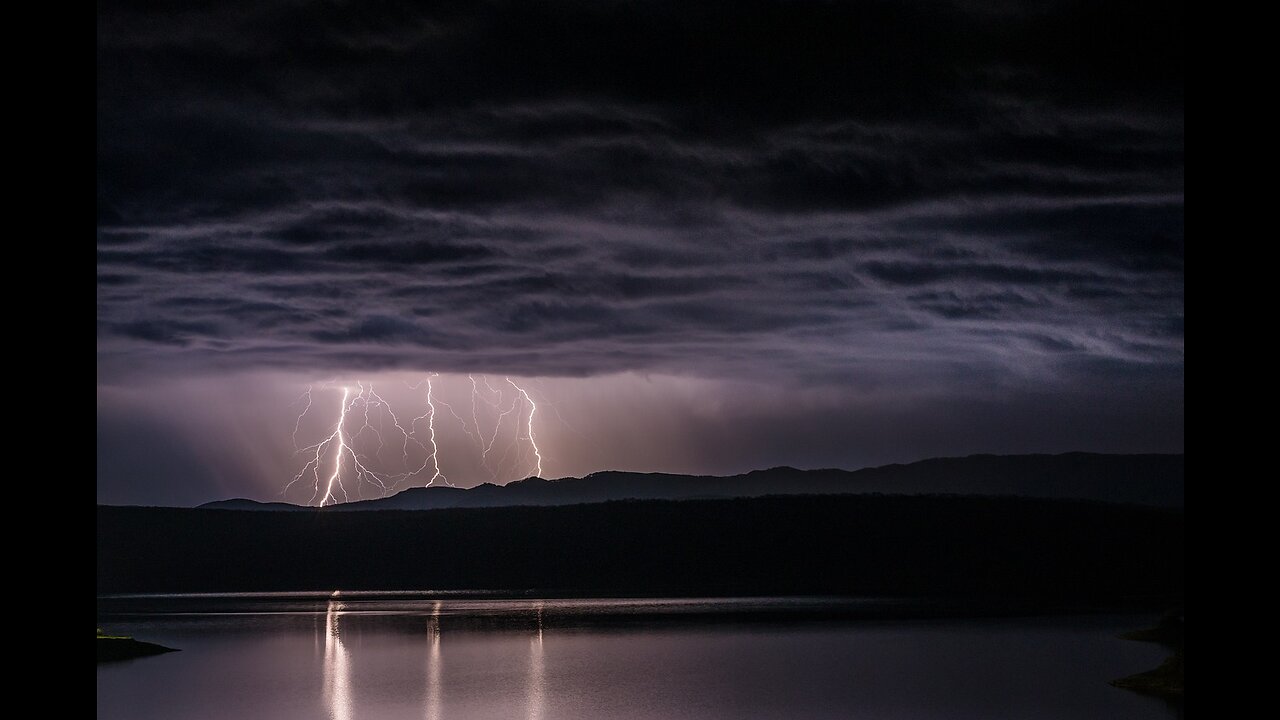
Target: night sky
point(706, 237)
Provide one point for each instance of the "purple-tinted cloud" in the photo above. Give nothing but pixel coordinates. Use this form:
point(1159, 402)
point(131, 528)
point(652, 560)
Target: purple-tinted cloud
point(851, 196)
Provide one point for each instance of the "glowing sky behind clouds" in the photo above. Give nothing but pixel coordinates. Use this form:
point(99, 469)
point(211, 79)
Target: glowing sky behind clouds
point(187, 441)
point(720, 237)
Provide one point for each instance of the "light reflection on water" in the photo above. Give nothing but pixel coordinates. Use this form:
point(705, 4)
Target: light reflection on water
point(434, 688)
point(337, 673)
point(348, 658)
point(536, 671)
point(337, 692)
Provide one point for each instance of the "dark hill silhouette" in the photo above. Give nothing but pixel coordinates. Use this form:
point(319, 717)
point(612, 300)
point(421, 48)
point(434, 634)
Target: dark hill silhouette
point(1156, 480)
point(867, 545)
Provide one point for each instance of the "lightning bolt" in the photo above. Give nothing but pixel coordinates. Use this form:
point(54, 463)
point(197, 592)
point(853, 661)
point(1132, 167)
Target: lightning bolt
point(555, 407)
point(343, 450)
point(319, 448)
point(342, 445)
point(301, 415)
point(434, 457)
point(337, 466)
point(396, 421)
point(365, 398)
point(475, 419)
point(533, 408)
point(487, 445)
point(435, 450)
point(460, 419)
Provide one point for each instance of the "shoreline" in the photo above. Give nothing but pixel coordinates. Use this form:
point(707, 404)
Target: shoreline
point(1165, 680)
point(114, 648)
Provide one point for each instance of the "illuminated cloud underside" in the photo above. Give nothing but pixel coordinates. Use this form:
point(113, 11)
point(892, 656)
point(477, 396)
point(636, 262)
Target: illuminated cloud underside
point(842, 249)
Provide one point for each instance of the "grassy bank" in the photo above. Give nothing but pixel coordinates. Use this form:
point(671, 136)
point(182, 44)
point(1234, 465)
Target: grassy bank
point(1167, 679)
point(119, 647)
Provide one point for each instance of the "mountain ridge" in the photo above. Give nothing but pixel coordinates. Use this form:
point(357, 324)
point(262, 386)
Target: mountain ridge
point(1143, 479)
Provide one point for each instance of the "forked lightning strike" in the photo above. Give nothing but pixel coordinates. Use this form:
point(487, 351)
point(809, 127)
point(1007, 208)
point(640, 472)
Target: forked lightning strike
point(486, 447)
point(337, 462)
point(434, 457)
point(350, 471)
point(533, 408)
point(343, 452)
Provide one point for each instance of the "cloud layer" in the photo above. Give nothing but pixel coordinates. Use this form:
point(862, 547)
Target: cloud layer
point(959, 198)
point(596, 187)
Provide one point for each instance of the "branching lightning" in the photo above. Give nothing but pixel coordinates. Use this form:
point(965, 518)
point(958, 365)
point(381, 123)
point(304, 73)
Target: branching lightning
point(408, 436)
point(465, 428)
point(533, 408)
point(434, 457)
point(486, 447)
point(340, 466)
point(343, 452)
point(342, 445)
point(301, 415)
point(475, 419)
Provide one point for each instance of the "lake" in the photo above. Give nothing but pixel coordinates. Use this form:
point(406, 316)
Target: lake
point(374, 656)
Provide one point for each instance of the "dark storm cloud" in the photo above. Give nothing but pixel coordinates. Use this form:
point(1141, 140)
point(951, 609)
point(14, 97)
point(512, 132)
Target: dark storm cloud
point(169, 332)
point(820, 189)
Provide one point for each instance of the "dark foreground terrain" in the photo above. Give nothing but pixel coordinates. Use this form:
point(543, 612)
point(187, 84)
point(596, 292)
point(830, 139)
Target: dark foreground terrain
point(112, 649)
point(919, 546)
point(1167, 680)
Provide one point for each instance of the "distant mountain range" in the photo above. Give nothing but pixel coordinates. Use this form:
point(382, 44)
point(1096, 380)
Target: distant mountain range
point(1155, 480)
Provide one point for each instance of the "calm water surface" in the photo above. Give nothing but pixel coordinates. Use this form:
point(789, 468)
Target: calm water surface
point(375, 656)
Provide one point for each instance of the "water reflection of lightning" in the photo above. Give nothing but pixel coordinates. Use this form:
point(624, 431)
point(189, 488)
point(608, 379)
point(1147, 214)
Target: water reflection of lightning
point(337, 666)
point(434, 687)
point(537, 692)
